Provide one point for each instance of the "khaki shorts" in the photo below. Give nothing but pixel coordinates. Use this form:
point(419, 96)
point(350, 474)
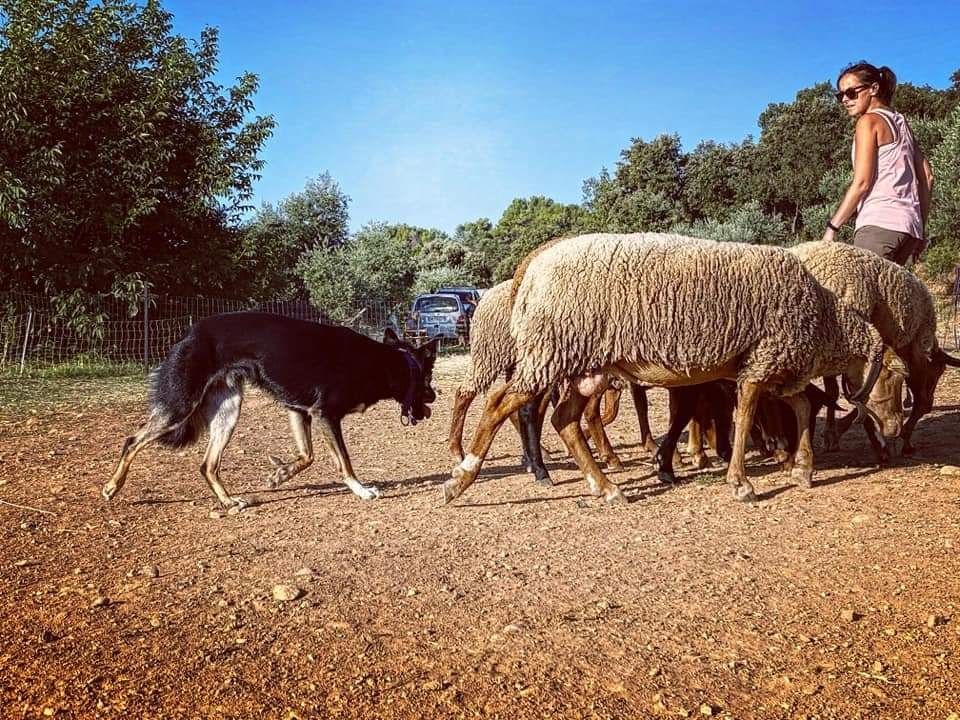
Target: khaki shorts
point(890, 244)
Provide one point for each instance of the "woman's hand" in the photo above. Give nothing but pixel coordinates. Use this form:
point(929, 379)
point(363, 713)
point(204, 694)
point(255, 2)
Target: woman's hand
point(829, 235)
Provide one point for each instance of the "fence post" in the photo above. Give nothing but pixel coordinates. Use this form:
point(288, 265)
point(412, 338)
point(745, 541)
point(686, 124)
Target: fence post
point(146, 329)
point(26, 340)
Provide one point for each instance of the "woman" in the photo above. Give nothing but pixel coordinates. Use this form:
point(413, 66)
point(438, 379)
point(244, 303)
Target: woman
point(891, 184)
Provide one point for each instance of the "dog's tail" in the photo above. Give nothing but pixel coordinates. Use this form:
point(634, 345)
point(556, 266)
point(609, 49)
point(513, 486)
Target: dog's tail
point(177, 387)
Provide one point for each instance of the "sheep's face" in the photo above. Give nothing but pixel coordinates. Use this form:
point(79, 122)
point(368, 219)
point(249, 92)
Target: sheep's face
point(886, 401)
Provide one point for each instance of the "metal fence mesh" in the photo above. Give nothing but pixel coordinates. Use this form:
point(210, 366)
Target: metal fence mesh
point(35, 336)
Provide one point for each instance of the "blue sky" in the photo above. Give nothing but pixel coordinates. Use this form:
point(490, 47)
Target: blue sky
point(437, 112)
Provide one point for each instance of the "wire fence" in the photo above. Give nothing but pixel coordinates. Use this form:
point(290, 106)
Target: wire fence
point(35, 336)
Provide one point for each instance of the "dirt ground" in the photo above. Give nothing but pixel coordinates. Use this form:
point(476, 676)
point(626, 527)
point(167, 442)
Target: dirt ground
point(516, 601)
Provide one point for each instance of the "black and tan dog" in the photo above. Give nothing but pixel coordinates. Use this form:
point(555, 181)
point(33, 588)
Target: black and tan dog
point(319, 373)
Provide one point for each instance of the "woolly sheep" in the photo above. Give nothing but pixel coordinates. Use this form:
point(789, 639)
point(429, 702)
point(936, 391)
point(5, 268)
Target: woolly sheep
point(493, 354)
point(902, 310)
point(667, 310)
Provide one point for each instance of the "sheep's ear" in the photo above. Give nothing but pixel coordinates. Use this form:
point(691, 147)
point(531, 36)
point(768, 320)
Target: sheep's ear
point(390, 337)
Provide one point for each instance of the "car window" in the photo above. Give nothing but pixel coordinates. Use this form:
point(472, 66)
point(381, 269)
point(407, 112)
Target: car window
point(437, 304)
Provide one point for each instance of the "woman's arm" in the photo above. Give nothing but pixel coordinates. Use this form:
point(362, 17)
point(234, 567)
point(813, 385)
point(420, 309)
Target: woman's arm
point(864, 170)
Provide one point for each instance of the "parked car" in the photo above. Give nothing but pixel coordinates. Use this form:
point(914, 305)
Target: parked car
point(438, 315)
point(470, 296)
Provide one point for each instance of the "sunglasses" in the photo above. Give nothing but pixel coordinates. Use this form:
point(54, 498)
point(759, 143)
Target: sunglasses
point(850, 93)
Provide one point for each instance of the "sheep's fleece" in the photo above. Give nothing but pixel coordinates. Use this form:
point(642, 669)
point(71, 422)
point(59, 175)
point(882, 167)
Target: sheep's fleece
point(683, 304)
point(893, 298)
point(492, 350)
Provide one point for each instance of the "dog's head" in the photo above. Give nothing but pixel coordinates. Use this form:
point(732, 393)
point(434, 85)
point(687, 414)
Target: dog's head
point(418, 392)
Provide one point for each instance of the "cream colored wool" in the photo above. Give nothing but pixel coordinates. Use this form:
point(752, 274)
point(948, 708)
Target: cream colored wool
point(893, 298)
point(492, 350)
point(683, 304)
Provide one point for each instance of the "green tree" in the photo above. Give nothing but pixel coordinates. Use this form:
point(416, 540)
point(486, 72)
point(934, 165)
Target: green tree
point(484, 250)
point(119, 156)
point(645, 192)
point(528, 223)
point(375, 267)
point(943, 225)
point(275, 239)
point(799, 142)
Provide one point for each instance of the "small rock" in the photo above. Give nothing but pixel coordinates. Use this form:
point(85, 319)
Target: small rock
point(216, 515)
point(877, 668)
point(234, 510)
point(101, 601)
point(286, 593)
point(951, 470)
point(510, 629)
point(706, 709)
point(304, 572)
point(849, 615)
point(47, 637)
point(151, 571)
point(432, 685)
point(411, 592)
point(934, 620)
point(653, 672)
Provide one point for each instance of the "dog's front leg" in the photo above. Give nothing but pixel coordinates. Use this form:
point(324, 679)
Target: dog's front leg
point(333, 436)
point(300, 428)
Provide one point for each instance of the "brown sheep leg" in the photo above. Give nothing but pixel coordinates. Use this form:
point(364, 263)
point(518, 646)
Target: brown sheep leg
point(461, 403)
point(500, 405)
point(639, 394)
point(566, 421)
point(803, 459)
point(695, 448)
point(747, 395)
point(591, 414)
point(611, 405)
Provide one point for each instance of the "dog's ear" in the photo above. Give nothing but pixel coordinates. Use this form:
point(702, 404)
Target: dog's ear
point(429, 350)
point(390, 337)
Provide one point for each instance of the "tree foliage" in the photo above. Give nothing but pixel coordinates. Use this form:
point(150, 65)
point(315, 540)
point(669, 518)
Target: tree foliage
point(119, 156)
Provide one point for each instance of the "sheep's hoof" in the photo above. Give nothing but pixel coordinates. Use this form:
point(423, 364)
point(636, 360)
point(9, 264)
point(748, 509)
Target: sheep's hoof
point(613, 463)
point(544, 480)
point(907, 450)
point(803, 475)
point(613, 496)
point(744, 493)
point(666, 478)
point(450, 491)
point(701, 461)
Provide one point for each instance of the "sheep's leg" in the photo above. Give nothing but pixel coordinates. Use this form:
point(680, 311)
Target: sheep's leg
point(639, 394)
point(769, 413)
point(803, 457)
point(591, 414)
point(695, 447)
point(461, 403)
point(566, 421)
point(831, 433)
point(611, 403)
point(683, 402)
point(921, 406)
point(531, 425)
point(748, 393)
point(500, 405)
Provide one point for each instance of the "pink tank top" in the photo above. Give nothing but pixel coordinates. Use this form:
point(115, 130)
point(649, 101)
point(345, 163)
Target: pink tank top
point(893, 200)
